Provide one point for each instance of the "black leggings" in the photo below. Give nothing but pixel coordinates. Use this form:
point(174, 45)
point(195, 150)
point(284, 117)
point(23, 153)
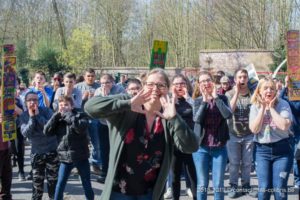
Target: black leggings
point(183, 160)
point(18, 149)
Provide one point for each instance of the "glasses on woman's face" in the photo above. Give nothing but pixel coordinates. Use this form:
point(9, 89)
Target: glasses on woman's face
point(179, 84)
point(160, 86)
point(205, 81)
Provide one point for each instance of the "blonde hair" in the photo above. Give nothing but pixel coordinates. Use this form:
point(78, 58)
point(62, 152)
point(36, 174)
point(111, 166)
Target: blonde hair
point(256, 97)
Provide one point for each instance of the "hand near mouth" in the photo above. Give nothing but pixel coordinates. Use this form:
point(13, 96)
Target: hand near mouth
point(186, 94)
point(214, 92)
point(168, 106)
point(262, 101)
point(272, 102)
point(206, 96)
point(138, 100)
point(238, 87)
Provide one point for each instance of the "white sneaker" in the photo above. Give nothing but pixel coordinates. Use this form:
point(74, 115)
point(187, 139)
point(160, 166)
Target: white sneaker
point(189, 192)
point(168, 194)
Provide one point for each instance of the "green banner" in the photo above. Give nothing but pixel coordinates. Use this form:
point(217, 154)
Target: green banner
point(159, 54)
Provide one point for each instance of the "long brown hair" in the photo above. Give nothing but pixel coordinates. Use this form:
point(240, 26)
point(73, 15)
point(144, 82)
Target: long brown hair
point(186, 80)
point(196, 91)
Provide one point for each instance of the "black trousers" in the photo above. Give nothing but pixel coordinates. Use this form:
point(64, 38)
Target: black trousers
point(181, 160)
point(5, 174)
point(18, 149)
point(104, 148)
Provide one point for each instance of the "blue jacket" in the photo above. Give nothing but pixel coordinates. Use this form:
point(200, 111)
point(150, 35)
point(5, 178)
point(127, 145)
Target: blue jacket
point(32, 127)
point(295, 107)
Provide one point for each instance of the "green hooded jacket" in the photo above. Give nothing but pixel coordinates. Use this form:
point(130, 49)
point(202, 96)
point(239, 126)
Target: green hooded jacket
point(116, 110)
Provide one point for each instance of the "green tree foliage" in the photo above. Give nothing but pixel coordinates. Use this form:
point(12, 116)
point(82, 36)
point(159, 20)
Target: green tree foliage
point(47, 59)
point(79, 52)
point(111, 33)
point(24, 74)
point(22, 54)
point(279, 55)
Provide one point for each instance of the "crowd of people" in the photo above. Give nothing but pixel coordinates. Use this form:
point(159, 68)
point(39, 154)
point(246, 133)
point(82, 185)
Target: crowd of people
point(142, 134)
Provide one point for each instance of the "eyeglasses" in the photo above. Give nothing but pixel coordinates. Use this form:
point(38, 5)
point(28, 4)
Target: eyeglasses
point(134, 89)
point(179, 84)
point(205, 81)
point(57, 79)
point(105, 83)
point(31, 100)
point(160, 86)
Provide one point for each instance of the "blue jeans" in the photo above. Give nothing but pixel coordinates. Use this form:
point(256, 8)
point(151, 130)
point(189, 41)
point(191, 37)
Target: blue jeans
point(240, 154)
point(217, 157)
point(273, 165)
point(65, 169)
point(295, 166)
point(95, 140)
point(120, 196)
point(169, 180)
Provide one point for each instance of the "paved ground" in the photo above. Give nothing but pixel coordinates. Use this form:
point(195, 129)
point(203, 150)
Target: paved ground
point(74, 191)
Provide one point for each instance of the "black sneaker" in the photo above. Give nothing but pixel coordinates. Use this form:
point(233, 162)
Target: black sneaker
point(101, 179)
point(233, 191)
point(247, 189)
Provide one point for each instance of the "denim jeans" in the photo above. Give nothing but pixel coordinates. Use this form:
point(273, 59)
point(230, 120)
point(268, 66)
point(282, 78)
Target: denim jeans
point(169, 180)
point(273, 165)
point(120, 196)
point(217, 157)
point(240, 154)
point(95, 140)
point(65, 169)
point(295, 166)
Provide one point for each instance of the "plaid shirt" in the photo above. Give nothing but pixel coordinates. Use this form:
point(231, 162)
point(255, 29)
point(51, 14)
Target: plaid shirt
point(211, 125)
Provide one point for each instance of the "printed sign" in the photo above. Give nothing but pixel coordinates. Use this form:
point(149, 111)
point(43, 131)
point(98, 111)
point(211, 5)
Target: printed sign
point(159, 54)
point(8, 86)
point(293, 64)
point(253, 77)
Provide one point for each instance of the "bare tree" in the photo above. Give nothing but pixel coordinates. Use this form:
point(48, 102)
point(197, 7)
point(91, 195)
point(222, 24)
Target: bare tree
point(60, 25)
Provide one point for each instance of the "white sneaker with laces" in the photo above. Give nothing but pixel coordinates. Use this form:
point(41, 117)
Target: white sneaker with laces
point(189, 192)
point(168, 194)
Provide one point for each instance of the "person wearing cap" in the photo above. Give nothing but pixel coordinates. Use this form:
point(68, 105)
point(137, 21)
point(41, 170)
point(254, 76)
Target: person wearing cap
point(225, 85)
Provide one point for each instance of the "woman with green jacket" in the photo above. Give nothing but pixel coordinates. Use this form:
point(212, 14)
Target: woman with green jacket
point(144, 131)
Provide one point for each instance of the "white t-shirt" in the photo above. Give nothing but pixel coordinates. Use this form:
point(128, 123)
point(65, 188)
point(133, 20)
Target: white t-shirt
point(269, 133)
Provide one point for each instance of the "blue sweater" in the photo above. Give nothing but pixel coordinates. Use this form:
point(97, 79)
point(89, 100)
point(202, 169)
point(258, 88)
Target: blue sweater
point(295, 107)
point(32, 127)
